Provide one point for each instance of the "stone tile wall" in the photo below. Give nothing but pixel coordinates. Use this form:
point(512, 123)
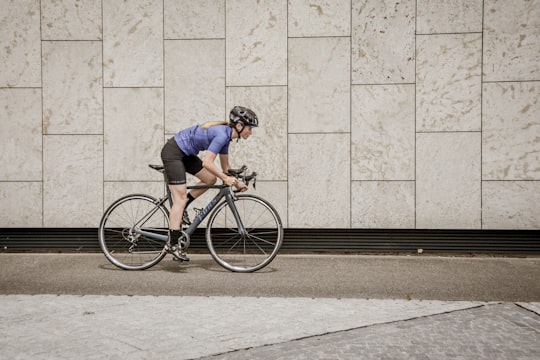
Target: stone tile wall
point(374, 113)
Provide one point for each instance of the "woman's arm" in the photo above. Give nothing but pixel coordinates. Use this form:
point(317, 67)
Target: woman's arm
point(224, 161)
point(225, 166)
point(210, 165)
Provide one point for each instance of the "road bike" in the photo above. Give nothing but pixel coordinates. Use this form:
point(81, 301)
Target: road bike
point(243, 233)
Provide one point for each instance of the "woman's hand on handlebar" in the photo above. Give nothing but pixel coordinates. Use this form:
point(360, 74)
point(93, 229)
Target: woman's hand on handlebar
point(230, 181)
point(240, 186)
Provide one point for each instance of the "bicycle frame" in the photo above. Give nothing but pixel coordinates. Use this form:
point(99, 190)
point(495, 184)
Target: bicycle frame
point(225, 192)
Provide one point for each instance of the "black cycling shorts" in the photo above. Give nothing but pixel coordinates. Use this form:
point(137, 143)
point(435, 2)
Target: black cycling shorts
point(176, 163)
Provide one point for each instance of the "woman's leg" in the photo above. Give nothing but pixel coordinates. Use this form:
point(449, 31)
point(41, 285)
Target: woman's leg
point(206, 178)
point(173, 161)
point(179, 200)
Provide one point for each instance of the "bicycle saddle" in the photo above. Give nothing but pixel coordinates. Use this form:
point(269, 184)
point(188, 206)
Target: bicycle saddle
point(159, 168)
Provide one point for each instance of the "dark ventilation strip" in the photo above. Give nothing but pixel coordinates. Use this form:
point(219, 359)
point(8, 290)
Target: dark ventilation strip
point(306, 240)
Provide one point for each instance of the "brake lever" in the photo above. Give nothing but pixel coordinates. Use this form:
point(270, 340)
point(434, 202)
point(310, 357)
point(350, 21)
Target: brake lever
point(253, 177)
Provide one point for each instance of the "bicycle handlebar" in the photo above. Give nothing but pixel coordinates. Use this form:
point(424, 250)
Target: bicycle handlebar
point(240, 174)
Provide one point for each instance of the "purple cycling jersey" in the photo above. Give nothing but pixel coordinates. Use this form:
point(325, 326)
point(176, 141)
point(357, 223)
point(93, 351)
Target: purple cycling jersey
point(196, 139)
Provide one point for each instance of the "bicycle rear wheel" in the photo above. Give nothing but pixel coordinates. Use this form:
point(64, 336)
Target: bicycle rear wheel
point(121, 244)
point(254, 249)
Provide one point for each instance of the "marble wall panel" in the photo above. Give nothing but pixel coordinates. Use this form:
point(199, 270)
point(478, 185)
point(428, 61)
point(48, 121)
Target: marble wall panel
point(340, 88)
point(72, 180)
point(266, 150)
point(72, 87)
point(20, 41)
point(511, 131)
point(383, 132)
point(20, 135)
point(71, 20)
point(448, 82)
point(319, 180)
point(21, 205)
point(511, 205)
point(383, 36)
point(133, 133)
point(448, 181)
point(319, 85)
point(187, 19)
point(319, 18)
point(383, 204)
point(256, 42)
point(133, 43)
point(448, 16)
point(195, 83)
point(511, 40)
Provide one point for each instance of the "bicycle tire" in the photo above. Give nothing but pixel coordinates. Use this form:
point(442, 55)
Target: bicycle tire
point(253, 250)
point(121, 245)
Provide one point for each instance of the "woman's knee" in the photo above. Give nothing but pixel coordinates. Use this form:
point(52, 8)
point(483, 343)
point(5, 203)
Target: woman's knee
point(212, 180)
point(179, 194)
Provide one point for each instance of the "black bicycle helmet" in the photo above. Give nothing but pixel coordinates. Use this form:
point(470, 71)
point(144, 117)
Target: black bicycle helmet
point(244, 115)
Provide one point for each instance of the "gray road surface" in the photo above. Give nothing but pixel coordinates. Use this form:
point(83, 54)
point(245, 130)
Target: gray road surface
point(335, 276)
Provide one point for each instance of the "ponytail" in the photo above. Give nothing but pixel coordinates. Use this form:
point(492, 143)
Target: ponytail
point(209, 124)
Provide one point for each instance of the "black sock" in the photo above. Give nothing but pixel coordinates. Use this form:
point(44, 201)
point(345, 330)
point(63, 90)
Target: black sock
point(190, 199)
point(174, 235)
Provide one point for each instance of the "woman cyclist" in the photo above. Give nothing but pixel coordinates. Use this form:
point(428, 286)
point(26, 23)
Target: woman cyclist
point(179, 155)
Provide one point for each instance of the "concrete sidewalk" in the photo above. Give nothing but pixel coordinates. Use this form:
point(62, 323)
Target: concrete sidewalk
point(171, 327)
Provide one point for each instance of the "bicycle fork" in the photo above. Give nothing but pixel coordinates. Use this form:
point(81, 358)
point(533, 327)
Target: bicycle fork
point(230, 201)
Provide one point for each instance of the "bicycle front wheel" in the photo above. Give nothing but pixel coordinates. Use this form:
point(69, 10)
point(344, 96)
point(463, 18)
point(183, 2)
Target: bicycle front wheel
point(123, 246)
point(248, 250)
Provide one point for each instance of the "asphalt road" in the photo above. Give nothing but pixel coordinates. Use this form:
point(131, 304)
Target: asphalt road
point(318, 276)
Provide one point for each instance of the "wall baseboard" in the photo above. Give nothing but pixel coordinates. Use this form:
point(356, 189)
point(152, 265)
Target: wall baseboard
point(307, 240)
